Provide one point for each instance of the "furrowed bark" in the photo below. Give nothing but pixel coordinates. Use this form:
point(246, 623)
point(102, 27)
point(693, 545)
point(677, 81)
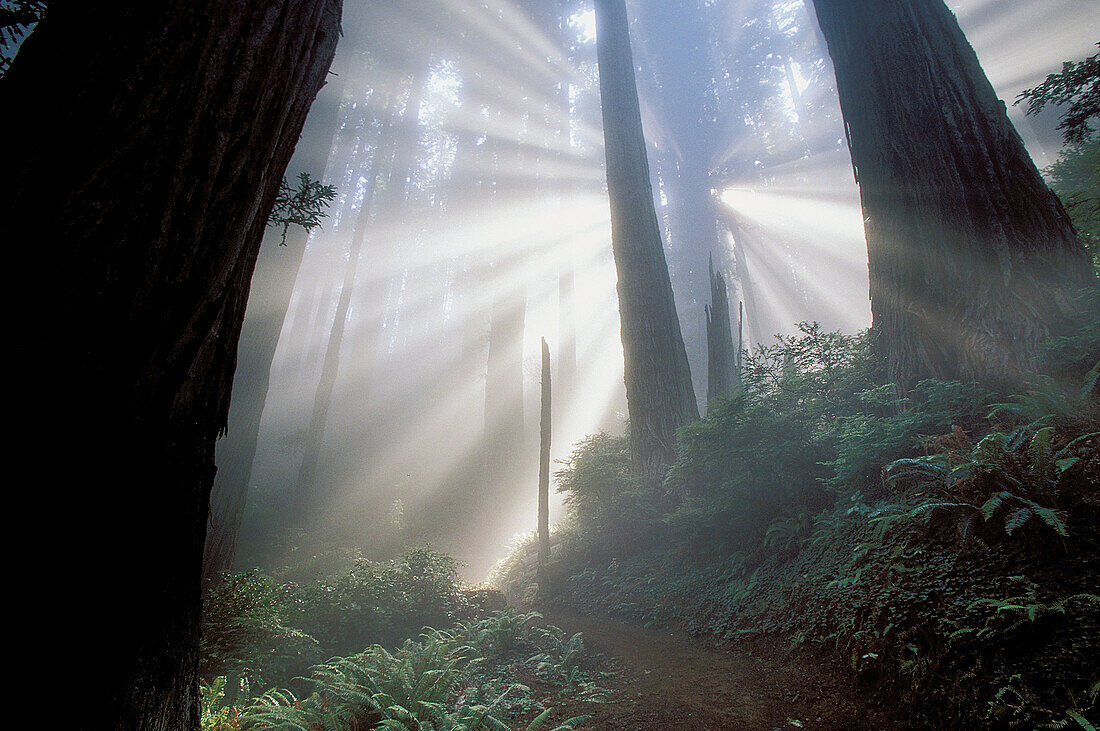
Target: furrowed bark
point(148, 142)
point(660, 395)
point(973, 261)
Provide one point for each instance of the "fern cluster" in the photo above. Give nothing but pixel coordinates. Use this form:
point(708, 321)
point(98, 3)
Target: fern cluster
point(429, 684)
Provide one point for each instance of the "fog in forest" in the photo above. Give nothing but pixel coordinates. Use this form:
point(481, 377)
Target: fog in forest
point(400, 405)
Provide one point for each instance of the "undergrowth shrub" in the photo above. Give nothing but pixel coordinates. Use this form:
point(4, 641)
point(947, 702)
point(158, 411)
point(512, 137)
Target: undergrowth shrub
point(438, 682)
point(270, 631)
point(944, 545)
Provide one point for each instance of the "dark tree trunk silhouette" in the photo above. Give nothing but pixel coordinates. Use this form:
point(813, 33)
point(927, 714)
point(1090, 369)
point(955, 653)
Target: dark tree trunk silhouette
point(660, 396)
point(149, 140)
point(544, 460)
point(973, 260)
point(722, 371)
point(272, 288)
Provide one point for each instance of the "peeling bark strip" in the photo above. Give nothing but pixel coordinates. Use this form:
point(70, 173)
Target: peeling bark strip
point(147, 142)
point(972, 258)
point(659, 393)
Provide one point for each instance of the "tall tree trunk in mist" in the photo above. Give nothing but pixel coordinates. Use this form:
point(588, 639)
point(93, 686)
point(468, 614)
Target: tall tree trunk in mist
point(544, 460)
point(660, 396)
point(722, 372)
point(972, 259)
point(272, 288)
point(758, 328)
point(567, 330)
point(567, 277)
point(504, 426)
point(149, 140)
point(681, 53)
point(308, 497)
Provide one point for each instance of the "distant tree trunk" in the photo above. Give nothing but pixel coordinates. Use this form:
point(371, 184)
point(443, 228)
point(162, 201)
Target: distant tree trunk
point(272, 288)
point(544, 460)
point(567, 330)
point(148, 141)
point(504, 426)
point(308, 498)
point(758, 328)
point(660, 396)
point(972, 259)
point(722, 371)
point(740, 342)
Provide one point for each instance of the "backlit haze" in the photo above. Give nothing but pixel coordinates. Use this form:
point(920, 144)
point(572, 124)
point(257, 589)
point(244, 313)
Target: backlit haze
point(467, 156)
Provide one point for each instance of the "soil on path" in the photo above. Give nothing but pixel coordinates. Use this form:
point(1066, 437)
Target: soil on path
point(667, 679)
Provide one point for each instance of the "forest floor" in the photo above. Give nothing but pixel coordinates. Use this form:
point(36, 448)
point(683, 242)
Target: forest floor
point(667, 679)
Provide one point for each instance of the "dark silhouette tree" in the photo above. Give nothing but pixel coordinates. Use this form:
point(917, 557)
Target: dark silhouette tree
point(973, 261)
point(149, 141)
point(659, 392)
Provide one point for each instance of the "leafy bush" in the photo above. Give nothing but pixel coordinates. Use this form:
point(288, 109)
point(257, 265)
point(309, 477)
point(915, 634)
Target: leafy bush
point(941, 543)
point(257, 628)
point(606, 500)
point(427, 684)
point(245, 634)
point(809, 425)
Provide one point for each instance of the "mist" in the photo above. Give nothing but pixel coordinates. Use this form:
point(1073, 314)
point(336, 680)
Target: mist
point(464, 142)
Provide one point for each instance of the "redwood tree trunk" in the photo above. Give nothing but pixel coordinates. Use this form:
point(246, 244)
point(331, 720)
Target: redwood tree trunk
point(148, 142)
point(972, 259)
point(272, 288)
point(722, 371)
point(659, 392)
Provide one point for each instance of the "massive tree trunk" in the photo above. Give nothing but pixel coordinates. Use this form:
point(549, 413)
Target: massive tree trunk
point(972, 259)
point(722, 367)
point(148, 141)
point(272, 288)
point(660, 396)
point(681, 52)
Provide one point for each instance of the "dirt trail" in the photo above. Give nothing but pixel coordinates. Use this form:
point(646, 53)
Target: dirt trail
point(669, 680)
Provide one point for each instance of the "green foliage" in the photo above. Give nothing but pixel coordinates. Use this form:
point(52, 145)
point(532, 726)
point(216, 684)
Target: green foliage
point(245, 634)
point(17, 17)
point(815, 504)
point(1078, 88)
point(604, 496)
point(303, 206)
point(265, 630)
point(1075, 177)
point(767, 445)
point(1000, 481)
point(430, 684)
